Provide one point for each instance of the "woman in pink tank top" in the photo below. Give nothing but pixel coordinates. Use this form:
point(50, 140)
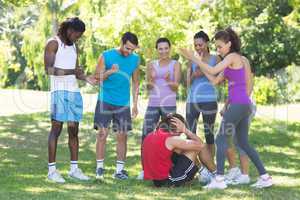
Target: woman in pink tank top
point(163, 76)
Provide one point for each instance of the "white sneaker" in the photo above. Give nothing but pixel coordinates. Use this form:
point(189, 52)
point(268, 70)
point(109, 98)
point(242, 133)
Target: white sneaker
point(140, 176)
point(216, 183)
point(205, 176)
point(56, 177)
point(263, 182)
point(242, 179)
point(77, 174)
point(232, 174)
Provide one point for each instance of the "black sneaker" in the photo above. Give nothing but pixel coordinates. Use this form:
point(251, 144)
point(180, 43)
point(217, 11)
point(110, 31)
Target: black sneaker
point(122, 175)
point(100, 173)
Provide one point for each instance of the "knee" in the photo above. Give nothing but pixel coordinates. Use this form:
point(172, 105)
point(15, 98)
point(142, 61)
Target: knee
point(121, 137)
point(192, 155)
point(55, 131)
point(73, 130)
point(102, 135)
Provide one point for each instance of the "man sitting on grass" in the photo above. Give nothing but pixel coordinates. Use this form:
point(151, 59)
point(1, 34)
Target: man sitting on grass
point(170, 160)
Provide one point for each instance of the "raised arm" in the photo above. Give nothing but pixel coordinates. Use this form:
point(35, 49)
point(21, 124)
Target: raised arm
point(194, 143)
point(49, 59)
point(177, 76)
point(204, 66)
point(101, 74)
point(215, 80)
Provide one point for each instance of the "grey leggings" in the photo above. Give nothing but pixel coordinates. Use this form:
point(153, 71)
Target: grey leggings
point(236, 121)
point(152, 116)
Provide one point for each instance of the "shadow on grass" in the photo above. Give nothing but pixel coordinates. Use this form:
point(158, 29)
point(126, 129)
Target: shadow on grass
point(23, 167)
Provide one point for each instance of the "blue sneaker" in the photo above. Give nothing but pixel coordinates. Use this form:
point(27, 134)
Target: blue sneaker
point(100, 173)
point(122, 175)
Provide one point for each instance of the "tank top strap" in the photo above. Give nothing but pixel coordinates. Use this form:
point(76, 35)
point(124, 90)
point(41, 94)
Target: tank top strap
point(155, 64)
point(60, 43)
point(171, 65)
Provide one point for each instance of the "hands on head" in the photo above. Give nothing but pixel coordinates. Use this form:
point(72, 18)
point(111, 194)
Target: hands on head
point(179, 126)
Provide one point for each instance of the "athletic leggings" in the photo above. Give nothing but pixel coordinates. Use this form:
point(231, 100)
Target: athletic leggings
point(209, 111)
point(152, 116)
point(236, 121)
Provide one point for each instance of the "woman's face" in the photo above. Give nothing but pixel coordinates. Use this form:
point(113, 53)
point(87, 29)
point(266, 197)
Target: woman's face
point(222, 47)
point(163, 50)
point(200, 45)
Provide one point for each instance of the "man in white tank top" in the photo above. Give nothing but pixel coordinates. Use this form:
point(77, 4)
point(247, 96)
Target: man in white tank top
point(61, 65)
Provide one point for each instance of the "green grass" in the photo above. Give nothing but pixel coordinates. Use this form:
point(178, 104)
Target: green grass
point(23, 164)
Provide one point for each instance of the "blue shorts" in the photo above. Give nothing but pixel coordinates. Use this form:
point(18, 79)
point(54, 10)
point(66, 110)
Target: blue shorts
point(66, 106)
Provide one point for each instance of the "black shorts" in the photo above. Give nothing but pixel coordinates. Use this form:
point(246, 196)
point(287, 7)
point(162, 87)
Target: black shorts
point(119, 115)
point(183, 171)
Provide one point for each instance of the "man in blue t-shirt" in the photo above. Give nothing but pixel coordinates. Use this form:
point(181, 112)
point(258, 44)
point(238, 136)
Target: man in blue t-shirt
point(114, 69)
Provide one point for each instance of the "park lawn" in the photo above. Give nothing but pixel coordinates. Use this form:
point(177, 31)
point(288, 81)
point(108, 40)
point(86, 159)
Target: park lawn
point(23, 164)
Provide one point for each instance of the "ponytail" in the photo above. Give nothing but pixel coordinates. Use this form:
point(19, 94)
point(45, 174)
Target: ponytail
point(229, 35)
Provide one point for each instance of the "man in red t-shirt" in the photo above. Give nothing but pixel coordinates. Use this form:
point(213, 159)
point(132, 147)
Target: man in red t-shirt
point(169, 159)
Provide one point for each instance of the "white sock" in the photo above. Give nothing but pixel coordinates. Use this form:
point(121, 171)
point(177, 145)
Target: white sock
point(120, 165)
point(265, 176)
point(100, 164)
point(51, 167)
point(74, 165)
point(201, 168)
point(219, 177)
point(214, 173)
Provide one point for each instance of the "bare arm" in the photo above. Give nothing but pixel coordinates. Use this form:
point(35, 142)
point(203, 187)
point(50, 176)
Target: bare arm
point(100, 73)
point(228, 60)
point(194, 143)
point(215, 80)
point(135, 91)
point(177, 75)
point(149, 76)
point(49, 59)
point(178, 143)
point(78, 70)
point(249, 76)
point(189, 75)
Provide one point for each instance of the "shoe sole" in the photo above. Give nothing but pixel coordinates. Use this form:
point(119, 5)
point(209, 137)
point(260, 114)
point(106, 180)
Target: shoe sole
point(239, 183)
point(78, 179)
point(222, 188)
point(113, 176)
point(53, 181)
point(263, 186)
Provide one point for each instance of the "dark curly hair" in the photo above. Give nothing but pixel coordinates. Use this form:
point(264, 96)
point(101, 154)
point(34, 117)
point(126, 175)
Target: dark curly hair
point(73, 23)
point(202, 35)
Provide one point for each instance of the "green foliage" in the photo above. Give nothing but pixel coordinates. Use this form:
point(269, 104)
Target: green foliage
point(269, 30)
point(265, 90)
point(293, 86)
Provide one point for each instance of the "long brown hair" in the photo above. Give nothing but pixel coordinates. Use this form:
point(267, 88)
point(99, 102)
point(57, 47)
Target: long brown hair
point(229, 35)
